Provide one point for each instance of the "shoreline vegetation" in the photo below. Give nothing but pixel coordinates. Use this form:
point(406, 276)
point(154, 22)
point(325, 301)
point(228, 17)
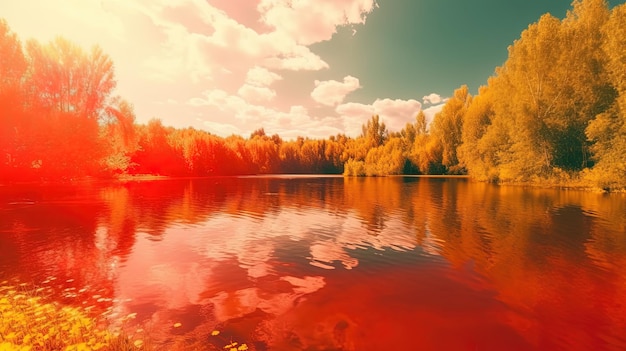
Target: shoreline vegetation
point(33, 320)
point(553, 115)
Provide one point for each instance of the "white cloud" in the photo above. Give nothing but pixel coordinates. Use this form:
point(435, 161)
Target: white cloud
point(85, 22)
point(214, 59)
point(218, 98)
point(353, 116)
point(394, 113)
point(432, 98)
point(261, 77)
point(288, 124)
point(297, 58)
point(223, 129)
point(431, 111)
point(355, 109)
point(398, 109)
point(255, 93)
point(332, 92)
point(312, 21)
point(255, 88)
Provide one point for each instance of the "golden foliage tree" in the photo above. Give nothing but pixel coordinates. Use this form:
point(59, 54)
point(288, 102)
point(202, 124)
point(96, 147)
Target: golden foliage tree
point(480, 140)
point(607, 131)
point(532, 125)
point(447, 127)
point(12, 69)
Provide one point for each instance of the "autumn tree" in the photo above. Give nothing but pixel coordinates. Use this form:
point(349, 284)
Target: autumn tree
point(586, 89)
point(66, 91)
point(525, 91)
point(13, 66)
point(387, 159)
point(543, 97)
point(407, 135)
point(62, 77)
point(607, 131)
point(481, 139)
point(157, 153)
point(447, 128)
point(374, 132)
point(120, 136)
point(425, 153)
point(264, 152)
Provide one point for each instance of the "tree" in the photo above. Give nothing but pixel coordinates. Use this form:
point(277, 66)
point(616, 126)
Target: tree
point(447, 128)
point(120, 134)
point(426, 155)
point(375, 132)
point(421, 127)
point(156, 153)
point(12, 61)
point(526, 92)
point(62, 77)
point(607, 131)
point(584, 80)
point(12, 69)
point(479, 148)
point(614, 41)
point(426, 152)
point(264, 153)
point(64, 92)
point(387, 159)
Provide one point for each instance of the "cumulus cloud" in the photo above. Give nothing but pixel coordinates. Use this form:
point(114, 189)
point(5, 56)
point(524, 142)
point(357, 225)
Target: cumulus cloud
point(297, 58)
point(294, 122)
point(255, 93)
point(312, 21)
point(261, 76)
point(355, 109)
point(397, 109)
point(432, 98)
point(255, 88)
point(431, 111)
point(221, 59)
point(195, 39)
point(332, 92)
point(224, 129)
point(395, 113)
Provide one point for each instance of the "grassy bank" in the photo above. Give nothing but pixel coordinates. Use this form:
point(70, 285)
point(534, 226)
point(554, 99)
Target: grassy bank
point(29, 322)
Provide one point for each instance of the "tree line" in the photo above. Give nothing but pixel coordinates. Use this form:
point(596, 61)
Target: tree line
point(59, 119)
point(552, 113)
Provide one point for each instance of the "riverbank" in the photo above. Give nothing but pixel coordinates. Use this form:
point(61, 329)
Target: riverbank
point(569, 184)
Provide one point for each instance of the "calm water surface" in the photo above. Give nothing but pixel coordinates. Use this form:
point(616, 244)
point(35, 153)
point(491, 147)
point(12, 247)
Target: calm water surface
point(326, 263)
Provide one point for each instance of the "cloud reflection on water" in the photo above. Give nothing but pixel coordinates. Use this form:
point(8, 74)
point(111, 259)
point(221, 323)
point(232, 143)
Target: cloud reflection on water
point(492, 266)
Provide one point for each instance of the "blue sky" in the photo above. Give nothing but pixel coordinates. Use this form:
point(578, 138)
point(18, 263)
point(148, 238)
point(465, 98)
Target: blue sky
point(294, 67)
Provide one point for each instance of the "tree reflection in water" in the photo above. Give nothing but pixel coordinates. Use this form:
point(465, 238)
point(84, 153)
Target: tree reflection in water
point(287, 263)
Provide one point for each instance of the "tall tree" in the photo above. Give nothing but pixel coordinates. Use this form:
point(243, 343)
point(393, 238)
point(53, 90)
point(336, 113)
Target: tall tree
point(607, 131)
point(120, 137)
point(526, 91)
point(65, 93)
point(584, 81)
point(447, 128)
point(62, 77)
point(420, 123)
point(480, 139)
point(12, 68)
point(375, 132)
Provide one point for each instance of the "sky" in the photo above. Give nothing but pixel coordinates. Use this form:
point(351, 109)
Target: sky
point(311, 68)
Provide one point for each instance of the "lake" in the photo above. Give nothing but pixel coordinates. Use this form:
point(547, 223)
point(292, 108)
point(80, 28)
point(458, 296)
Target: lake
point(327, 263)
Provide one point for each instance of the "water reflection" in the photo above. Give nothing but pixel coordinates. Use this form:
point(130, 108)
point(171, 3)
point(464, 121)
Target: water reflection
point(330, 263)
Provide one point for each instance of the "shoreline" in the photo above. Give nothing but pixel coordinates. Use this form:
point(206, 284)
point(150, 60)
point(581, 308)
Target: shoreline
point(577, 186)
